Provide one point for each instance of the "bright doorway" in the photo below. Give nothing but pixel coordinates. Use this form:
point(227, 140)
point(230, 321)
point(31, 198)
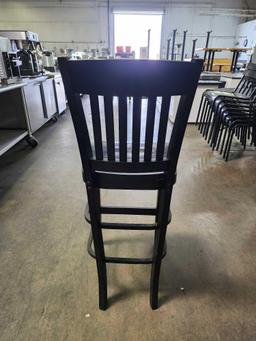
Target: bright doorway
point(131, 29)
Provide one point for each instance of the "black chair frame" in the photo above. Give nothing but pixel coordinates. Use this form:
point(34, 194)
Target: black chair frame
point(218, 108)
point(245, 89)
point(114, 166)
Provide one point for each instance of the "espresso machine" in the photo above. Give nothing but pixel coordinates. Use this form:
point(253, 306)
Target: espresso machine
point(9, 62)
point(27, 47)
point(49, 61)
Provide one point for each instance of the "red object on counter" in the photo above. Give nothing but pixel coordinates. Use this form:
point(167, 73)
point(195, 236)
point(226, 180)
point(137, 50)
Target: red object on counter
point(119, 49)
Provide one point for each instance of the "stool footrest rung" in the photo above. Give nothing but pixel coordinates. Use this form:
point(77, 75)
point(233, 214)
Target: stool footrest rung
point(126, 211)
point(125, 226)
point(121, 260)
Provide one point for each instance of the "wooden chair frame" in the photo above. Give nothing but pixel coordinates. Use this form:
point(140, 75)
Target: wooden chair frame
point(106, 168)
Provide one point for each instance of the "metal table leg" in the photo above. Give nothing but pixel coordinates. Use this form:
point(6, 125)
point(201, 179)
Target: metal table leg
point(209, 60)
point(212, 59)
point(235, 61)
point(193, 48)
point(168, 49)
point(232, 63)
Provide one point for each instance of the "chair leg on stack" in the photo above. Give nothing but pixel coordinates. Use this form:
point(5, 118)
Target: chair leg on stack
point(201, 108)
point(228, 144)
point(219, 121)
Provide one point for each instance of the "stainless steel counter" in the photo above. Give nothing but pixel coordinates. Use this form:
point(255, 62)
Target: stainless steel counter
point(232, 75)
point(26, 106)
point(9, 87)
point(14, 124)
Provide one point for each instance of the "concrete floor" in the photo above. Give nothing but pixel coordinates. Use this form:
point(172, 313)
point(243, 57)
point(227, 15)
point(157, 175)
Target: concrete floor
point(49, 284)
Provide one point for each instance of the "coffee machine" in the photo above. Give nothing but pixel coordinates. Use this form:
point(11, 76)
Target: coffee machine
point(9, 62)
point(49, 61)
point(28, 49)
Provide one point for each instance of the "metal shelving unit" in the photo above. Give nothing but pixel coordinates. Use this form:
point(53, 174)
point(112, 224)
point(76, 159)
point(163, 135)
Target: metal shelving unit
point(14, 124)
point(9, 137)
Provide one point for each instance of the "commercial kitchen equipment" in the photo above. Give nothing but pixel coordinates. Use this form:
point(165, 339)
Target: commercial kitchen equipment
point(26, 106)
point(60, 95)
point(49, 99)
point(34, 101)
point(49, 61)
point(28, 48)
point(9, 62)
point(14, 121)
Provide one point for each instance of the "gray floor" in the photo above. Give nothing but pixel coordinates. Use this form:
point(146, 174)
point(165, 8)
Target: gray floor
point(49, 284)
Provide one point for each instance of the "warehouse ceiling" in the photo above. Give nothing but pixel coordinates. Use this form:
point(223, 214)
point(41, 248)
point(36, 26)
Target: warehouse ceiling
point(233, 4)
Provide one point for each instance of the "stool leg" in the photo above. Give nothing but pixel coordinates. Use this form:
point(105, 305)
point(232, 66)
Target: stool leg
point(94, 207)
point(164, 198)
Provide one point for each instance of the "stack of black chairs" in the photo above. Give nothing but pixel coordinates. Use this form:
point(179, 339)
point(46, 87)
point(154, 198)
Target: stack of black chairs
point(225, 113)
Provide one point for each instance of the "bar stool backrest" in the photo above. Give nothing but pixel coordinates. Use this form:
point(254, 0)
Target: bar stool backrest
point(124, 79)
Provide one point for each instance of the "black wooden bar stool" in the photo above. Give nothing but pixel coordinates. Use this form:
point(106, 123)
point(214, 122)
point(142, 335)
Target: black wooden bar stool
point(150, 163)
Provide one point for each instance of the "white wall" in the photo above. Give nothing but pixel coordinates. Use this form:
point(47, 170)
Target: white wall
point(189, 18)
point(74, 26)
point(83, 24)
point(246, 32)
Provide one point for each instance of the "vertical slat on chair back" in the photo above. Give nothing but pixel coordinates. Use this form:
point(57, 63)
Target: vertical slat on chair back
point(144, 82)
point(95, 109)
point(110, 134)
point(154, 121)
point(122, 118)
point(151, 111)
point(164, 115)
point(136, 124)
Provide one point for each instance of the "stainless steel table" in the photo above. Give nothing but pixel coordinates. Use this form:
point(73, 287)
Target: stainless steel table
point(14, 122)
point(27, 105)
